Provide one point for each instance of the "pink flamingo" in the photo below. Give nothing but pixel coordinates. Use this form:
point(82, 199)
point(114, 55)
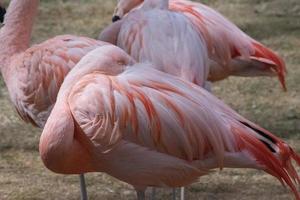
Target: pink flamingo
point(149, 128)
point(157, 32)
point(231, 51)
point(175, 47)
point(34, 75)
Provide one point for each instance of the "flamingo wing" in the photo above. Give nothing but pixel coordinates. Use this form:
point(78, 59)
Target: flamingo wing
point(40, 72)
point(153, 117)
point(226, 41)
point(177, 48)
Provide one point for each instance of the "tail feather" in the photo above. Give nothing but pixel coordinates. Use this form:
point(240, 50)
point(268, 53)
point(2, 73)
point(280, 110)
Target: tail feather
point(277, 162)
point(265, 53)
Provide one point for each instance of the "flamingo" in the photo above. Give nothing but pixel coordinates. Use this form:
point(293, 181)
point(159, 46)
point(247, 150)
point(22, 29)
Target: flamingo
point(152, 32)
point(175, 47)
point(149, 128)
point(231, 51)
point(33, 75)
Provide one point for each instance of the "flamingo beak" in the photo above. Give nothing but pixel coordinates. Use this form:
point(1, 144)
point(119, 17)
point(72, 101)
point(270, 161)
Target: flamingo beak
point(116, 18)
point(2, 13)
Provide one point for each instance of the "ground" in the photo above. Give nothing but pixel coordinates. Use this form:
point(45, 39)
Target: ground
point(273, 22)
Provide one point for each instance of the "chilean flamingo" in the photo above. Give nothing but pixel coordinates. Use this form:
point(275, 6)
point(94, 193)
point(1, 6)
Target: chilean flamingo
point(34, 75)
point(152, 32)
point(149, 128)
point(231, 51)
point(175, 47)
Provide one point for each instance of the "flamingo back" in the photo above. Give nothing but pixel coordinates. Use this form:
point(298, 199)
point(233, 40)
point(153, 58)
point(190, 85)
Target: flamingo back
point(154, 111)
point(231, 51)
point(168, 40)
point(225, 40)
point(149, 128)
point(38, 73)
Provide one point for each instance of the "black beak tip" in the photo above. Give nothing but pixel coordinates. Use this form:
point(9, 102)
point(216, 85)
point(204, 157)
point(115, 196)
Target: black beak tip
point(115, 18)
point(2, 13)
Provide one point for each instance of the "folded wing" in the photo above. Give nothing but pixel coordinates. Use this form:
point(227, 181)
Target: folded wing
point(166, 115)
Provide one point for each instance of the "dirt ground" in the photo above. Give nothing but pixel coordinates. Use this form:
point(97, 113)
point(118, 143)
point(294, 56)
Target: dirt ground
point(275, 23)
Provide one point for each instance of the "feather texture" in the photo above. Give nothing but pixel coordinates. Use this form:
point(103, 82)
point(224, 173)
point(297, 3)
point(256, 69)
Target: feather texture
point(174, 47)
point(231, 51)
point(39, 72)
point(149, 128)
point(225, 40)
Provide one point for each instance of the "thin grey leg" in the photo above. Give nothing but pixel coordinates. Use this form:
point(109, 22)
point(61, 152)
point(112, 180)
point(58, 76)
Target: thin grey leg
point(182, 193)
point(174, 193)
point(83, 191)
point(140, 195)
point(153, 193)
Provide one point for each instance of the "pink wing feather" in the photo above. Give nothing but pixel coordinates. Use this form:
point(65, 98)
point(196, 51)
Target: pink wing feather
point(177, 48)
point(160, 114)
point(40, 71)
point(231, 51)
point(225, 40)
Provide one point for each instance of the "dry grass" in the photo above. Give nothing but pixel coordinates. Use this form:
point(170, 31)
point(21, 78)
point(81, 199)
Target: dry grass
point(274, 22)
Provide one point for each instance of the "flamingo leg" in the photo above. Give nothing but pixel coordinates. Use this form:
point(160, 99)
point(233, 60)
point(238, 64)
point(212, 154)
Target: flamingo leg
point(83, 191)
point(174, 193)
point(153, 193)
point(182, 193)
point(141, 194)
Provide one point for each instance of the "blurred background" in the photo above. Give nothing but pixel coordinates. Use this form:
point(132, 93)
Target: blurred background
point(275, 23)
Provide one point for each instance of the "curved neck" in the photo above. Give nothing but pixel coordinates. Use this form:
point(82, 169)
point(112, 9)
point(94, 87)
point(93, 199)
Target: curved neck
point(63, 147)
point(16, 32)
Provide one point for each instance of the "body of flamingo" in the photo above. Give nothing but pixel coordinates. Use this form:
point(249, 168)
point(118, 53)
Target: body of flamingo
point(231, 51)
point(166, 39)
point(164, 33)
point(149, 128)
point(33, 75)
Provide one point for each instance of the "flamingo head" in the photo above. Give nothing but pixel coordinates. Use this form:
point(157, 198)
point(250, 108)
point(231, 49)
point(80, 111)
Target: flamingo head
point(123, 7)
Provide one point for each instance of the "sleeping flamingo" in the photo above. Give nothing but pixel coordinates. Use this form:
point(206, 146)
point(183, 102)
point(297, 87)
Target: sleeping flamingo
point(231, 51)
point(152, 32)
point(34, 75)
point(175, 47)
point(149, 128)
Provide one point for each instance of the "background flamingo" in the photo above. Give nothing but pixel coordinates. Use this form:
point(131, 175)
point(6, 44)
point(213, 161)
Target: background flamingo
point(149, 128)
point(175, 47)
point(231, 51)
point(34, 75)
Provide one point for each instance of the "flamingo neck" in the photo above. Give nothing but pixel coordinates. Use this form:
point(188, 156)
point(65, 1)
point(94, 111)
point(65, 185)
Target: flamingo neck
point(63, 147)
point(16, 33)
